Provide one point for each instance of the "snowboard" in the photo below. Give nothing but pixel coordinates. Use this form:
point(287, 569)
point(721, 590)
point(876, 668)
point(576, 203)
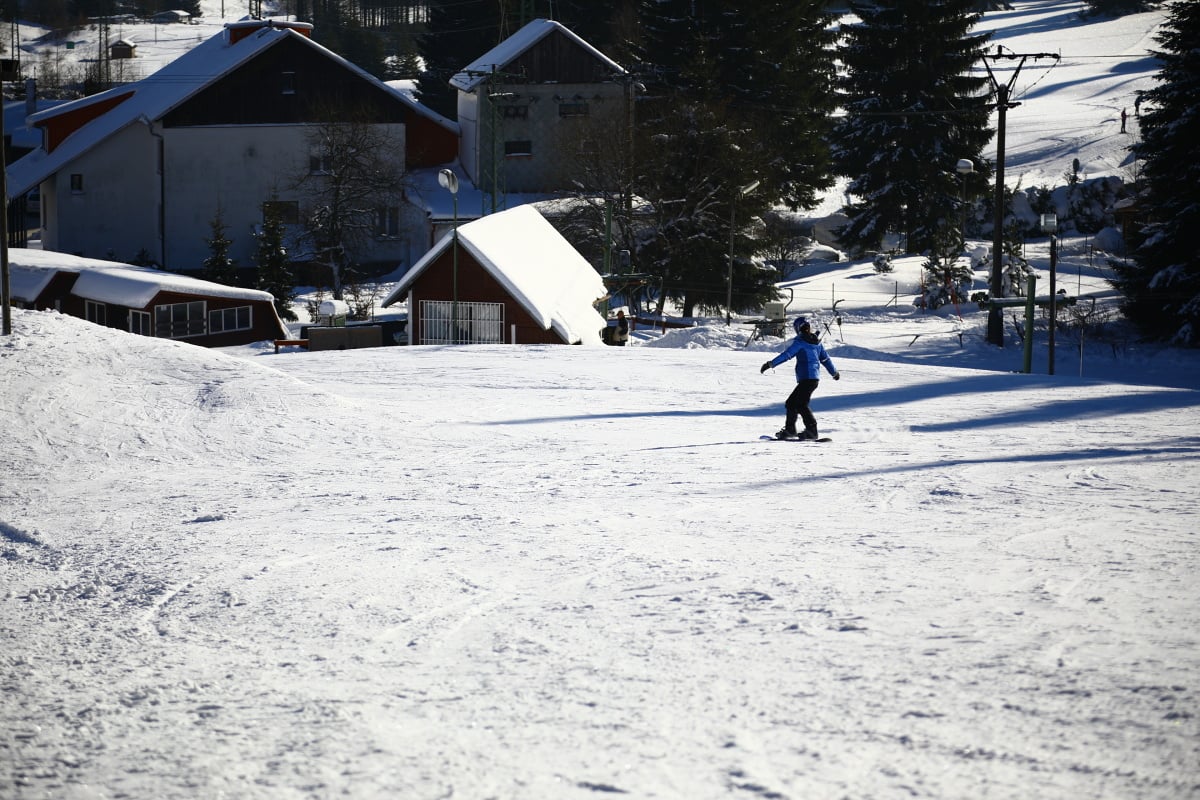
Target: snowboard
point(822, 440)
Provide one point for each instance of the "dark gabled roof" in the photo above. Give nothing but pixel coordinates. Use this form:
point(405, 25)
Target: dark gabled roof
point(503, 54)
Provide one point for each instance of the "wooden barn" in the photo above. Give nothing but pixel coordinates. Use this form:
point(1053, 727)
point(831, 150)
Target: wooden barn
point(507, 278)
point(143, 301)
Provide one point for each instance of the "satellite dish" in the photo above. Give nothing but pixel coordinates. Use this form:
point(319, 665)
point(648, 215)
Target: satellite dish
point(448, 180)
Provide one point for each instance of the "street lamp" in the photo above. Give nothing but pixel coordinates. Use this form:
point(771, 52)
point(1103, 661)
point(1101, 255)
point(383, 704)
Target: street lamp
point(742, 192)
point(449, 182)
point(1050, 226)
point(965, 167)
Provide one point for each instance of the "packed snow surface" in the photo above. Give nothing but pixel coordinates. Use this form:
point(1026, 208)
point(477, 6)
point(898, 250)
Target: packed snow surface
point(567, 571)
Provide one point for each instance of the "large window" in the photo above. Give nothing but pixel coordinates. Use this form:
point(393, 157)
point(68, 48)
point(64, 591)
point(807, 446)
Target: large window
point(222, 320)
point(446, 322)
point(180, 320)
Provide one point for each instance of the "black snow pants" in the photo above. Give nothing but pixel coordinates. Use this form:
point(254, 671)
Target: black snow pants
point(797, 405)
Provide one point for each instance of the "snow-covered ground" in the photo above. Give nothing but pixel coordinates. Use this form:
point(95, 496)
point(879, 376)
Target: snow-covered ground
point(556, 572)
point(561, 571)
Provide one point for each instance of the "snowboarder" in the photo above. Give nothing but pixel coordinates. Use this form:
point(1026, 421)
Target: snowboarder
point(810, 356)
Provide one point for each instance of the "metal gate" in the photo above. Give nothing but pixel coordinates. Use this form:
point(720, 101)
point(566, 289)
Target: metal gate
point(447, 322)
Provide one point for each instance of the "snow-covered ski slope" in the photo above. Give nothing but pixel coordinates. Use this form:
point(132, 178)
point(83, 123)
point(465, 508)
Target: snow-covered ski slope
point(562, 571)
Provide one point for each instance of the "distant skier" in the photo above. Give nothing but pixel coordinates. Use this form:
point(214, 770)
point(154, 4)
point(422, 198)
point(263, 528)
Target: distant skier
point(1124, 116)
point(810, 356)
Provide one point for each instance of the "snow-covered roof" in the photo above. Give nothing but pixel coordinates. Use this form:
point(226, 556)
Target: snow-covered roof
point(506, 52)
point(15, 114)
point(152, 97)
point(111, 281)
point(422, 190)
point(534, 264)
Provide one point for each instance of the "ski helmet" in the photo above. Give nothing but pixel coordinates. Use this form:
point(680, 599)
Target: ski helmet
point(800, 324)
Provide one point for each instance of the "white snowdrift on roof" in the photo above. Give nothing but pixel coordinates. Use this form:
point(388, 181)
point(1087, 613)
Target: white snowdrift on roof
point(111, 281)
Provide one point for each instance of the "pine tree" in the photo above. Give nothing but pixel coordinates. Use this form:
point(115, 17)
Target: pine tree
point(457, 33)
point(1162, 284)
point(738, 94)
point(912, 111)
point(219, 267)
point(274, 269)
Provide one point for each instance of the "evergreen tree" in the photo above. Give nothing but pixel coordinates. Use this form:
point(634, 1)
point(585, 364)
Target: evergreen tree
point(912, 110)
point(1162, 285)
point(274, 269)
point(457, 33)
point(738, 94)
point(219, 267)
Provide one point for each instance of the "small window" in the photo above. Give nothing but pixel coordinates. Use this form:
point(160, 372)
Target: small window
point(288, 211)
point(95, 312)
point(76, 182)
point(514, 112)
point(229, 319)
point(573, 109)
point(387, 222)
point(288, 82)
point(518, 147)
point(320, 164)
point(139, 323)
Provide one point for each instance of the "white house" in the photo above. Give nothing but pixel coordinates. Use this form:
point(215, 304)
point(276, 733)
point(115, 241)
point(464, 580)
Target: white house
point(143, 169)
point(538, 108)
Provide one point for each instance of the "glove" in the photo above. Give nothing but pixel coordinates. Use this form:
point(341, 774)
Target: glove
point(764, 368)
point(837, 376)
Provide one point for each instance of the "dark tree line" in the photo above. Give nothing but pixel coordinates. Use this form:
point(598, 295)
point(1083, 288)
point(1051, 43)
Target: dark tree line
point(1162, 283)
point(913, 109)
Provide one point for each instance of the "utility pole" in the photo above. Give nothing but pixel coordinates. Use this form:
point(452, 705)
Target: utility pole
point(995, 330)
point(5, 299)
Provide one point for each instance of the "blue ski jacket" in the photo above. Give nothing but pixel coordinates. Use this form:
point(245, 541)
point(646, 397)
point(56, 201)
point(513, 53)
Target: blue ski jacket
point(810, 356)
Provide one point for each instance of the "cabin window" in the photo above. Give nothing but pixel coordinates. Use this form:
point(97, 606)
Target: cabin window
point(518, 147)
point(572, 109)
point(288, 211)
point(180, 320)
point(76, 183)
point(387, 222)
point(223, 320)
point(95, 312)
point(139, 323)
point(288, 82)
point(514, 112)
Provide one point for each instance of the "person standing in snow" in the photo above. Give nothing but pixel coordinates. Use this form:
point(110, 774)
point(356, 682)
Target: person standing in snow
point(810, 356)
point(622, 332)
